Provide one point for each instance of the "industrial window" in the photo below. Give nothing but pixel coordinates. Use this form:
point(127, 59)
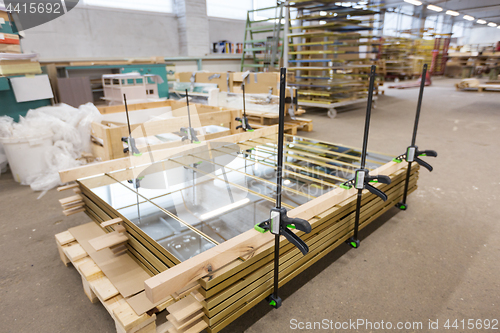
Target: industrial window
point(229, 8)
point(161, 6)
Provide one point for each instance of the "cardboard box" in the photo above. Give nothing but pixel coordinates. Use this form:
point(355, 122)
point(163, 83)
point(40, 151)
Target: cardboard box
point(256, 83)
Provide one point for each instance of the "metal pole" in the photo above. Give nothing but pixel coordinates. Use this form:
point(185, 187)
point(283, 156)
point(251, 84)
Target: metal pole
point(244, 104)
point(419, 104)
point(189, 115)
point(285, 35)
point(368, 115)
point(415, 128)
point(365, 146)
point(126, 111)
point(281, 136)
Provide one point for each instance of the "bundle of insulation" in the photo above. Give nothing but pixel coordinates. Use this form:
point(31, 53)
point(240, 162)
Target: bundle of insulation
point(70, 129)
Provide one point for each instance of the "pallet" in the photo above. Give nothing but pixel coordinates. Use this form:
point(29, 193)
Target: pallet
point(99, 288)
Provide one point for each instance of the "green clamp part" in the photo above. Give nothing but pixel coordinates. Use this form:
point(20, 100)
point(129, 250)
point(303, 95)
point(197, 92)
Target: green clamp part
point(259, 229)
point(272, 303)
point(196, 141)
point(423, 154)
point(374, 181)
point(141, 178)
point(397, 160)
point(199, 162)
point(345, 187)
point(290, 226)
point(252, 131)
point(251, 149)
point(140, 154)
point(353, 244)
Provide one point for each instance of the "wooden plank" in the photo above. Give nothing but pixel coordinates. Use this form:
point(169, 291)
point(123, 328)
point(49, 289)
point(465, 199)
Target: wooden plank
point(73, 211)
point(74, 252)
point(71, 199)
point(103, 288)
point(64, 238)
point(186, 322)
point(156, 155)
point(108, 240)
point(111, 222)
point(184, 308)
point(67, 187)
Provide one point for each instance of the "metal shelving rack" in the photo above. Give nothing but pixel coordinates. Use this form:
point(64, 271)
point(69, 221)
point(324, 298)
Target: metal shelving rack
point(330, 48)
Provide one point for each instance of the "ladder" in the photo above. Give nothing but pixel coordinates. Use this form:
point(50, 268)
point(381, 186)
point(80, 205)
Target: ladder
point(266, 50)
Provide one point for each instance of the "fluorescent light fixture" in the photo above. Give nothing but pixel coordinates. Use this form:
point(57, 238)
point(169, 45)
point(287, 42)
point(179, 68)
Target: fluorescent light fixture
point(491, 24)
point(452, 13)
point(469, 18)
point(414, 2)
point(222, 210)
point(322, 22)
point(435, 8)
point(322, 13)
point(481, 21)
point(287, 182)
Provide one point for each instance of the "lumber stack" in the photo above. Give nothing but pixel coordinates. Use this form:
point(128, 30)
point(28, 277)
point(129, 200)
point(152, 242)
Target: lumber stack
point(214, 285)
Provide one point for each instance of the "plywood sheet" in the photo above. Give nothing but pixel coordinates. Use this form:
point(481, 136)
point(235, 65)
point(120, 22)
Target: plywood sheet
point(125, 274)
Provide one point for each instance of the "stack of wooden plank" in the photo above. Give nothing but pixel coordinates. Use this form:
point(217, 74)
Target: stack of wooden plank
point(234, 274)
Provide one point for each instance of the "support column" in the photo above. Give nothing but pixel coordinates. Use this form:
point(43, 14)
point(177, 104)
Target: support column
point(192, 27)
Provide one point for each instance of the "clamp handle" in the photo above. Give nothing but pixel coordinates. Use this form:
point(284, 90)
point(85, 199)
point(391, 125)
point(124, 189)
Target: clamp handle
point(431, 153)
point(244, 124)
point(299, 224)
point(379, 179)
point(376, 191)
point(295, 240)
point(424, 164)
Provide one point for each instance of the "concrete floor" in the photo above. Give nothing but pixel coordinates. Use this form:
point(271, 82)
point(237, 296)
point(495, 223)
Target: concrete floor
point(436, 261)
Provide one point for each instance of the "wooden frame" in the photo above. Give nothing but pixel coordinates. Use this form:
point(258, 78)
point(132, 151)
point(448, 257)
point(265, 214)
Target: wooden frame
point(236, 274)
point(109, 134)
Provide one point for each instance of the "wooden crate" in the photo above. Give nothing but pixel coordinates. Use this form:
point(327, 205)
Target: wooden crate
point(108, 145)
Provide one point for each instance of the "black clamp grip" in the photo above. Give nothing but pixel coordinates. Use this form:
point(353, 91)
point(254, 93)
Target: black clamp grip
point(280, 224)
point(412, 155)
point(245, 125)
point(130, 141)
point(362, 180)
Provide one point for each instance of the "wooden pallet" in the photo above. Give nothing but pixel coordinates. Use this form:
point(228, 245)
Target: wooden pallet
point(99, 288)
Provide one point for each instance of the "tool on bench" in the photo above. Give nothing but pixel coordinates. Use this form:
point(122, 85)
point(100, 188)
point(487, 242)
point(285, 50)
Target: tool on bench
point(362, 177)
point(412, 153)
point(279, 223)
point(130, 141)
point(189, 133)
point(245, 125)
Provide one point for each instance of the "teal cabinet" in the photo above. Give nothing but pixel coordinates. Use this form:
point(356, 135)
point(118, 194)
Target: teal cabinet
point(10, 107)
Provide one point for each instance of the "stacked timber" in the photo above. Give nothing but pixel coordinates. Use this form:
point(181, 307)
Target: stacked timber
point(223, 280)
